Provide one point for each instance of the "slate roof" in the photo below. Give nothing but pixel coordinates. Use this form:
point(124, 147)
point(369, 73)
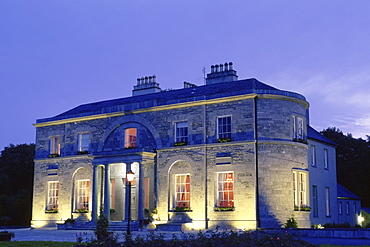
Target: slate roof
point(212, 91)
point(313, 134)
point(344, 192)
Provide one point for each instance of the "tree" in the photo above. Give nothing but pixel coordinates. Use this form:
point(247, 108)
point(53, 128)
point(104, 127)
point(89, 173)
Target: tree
point(16, 183)
point(353, 162)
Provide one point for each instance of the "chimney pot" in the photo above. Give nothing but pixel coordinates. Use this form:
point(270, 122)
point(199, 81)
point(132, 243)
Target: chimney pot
point(221, 67)
point(212, 69)
point(230, 66)
point(226, 67)
point(216, 68)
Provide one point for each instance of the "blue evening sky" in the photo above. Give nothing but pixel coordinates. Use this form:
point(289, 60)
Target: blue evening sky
point(57, 54)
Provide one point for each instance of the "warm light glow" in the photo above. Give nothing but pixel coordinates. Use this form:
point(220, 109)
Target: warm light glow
point(360, 219)
point(130, 176)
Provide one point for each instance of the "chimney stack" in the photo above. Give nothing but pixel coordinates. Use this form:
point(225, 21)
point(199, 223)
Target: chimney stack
point(221, 73)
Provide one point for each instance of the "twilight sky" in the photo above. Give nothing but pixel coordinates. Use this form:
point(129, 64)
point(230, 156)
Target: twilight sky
point(55, 55)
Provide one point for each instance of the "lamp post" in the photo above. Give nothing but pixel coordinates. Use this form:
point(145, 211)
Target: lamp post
point(130, 177)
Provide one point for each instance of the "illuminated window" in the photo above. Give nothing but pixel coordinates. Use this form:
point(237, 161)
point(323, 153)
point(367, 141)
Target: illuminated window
point(82, 194)
point(83, 142)
point(113, 194)
point(299, 181)
point(55, 145)
point(298, 128)
point(327, 201)
point(225, 189)
point(182, 193)
point(53, 195)
point(130, 138)
point(313, 155)
point(181, 132)
point(224, 127)
point(326, 159)
point(146, 192)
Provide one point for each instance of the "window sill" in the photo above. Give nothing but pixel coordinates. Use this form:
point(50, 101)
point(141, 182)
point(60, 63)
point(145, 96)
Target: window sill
point(82, 152)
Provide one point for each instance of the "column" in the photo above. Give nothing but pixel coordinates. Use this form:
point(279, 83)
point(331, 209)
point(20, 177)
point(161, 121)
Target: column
point(140, 206)
point(107, 191)
point(94, 213)
point(128, 168)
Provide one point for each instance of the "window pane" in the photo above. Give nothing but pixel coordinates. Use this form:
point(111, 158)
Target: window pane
point(182, 193)
point(224, 127)
point(225, 193)
point(130, 138)
point(181, 132)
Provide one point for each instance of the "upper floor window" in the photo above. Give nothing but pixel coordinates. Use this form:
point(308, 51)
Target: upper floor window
point(53, 196)
point(182, 191)
point(55, 145)
point(347, 208)
point(298, 128)
point(300, 190)
point(340, 208)
point(224, 128)
point(225, 189)
point(181, 132)
point(130, 138)
point(326, 159)
point(83, 142)
point(313, 155)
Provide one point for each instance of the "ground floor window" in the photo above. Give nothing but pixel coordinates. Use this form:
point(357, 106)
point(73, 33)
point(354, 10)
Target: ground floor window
point(146, 192)
point(225, 189)
point(82, 195)
point(53, 195)
point(182, 193)
point(327, 201)
point(299, 181)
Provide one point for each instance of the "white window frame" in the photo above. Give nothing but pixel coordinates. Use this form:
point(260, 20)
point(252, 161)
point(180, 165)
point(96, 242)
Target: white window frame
point(224, 130)
point(225, 185)
point(53, 195)
point(327, 202)
point(83, 142)
point(182, 131)
point(315, 202)
point(298, 128)
point(130, 138)
point(54, 145)
point(300, 185)
point(82, 199)
point(182, 190)
point(326, 158)
point(313, 155)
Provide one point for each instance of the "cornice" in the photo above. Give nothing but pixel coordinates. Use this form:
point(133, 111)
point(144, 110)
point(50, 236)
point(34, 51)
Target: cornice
point(173, 106)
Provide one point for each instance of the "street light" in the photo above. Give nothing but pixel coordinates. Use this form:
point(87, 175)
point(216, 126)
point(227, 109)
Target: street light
point(129, 177)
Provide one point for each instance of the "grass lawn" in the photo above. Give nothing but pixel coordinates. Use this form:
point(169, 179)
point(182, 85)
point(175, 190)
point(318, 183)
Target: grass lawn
point(36, 243)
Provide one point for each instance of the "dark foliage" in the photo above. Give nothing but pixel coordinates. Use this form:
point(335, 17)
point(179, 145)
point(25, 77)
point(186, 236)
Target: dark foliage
point(16, 183)
point(353, 162)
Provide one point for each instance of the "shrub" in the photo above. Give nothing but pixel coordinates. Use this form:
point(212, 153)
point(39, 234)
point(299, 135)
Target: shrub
point(291, 223)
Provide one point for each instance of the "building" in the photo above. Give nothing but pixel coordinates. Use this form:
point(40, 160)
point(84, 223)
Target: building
point(323, 185)
point(349, 207)
point(233, 153)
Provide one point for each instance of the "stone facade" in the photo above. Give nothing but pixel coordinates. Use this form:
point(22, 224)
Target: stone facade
point(230, 142)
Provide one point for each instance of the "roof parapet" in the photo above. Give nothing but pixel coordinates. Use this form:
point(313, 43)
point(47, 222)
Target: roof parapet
point(221, 73)
point(146, 85)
